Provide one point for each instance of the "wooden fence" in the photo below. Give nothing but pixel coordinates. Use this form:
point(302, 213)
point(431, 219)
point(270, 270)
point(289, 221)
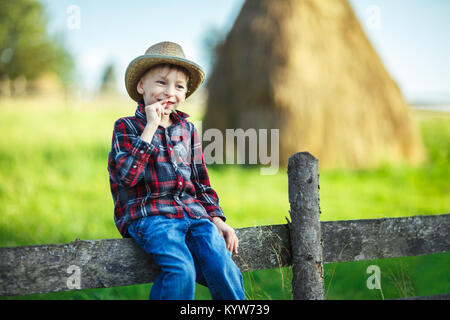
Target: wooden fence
point(305, 243)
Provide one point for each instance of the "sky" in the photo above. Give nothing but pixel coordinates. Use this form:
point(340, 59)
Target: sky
point(410, 36)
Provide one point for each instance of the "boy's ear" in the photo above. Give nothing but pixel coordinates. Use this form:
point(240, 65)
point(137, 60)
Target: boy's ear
point(139, 87)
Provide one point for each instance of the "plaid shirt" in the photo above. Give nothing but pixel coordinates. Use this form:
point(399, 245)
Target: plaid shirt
point(165, 177)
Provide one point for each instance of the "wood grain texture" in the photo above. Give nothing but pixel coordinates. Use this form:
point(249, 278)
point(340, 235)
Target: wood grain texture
point(305, 234)
point(120, 262)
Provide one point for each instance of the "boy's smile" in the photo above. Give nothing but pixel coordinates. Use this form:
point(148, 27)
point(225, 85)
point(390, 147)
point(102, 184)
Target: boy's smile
point(168, 105)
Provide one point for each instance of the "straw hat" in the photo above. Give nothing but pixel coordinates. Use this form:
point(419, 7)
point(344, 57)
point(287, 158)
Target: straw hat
point(163, 52)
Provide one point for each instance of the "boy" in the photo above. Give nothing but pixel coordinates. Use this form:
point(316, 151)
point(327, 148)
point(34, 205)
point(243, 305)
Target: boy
point(160, 185)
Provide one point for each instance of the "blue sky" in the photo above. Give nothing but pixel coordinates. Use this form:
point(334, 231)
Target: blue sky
point(411, 36)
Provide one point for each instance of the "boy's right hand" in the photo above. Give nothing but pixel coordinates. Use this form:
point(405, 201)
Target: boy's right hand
point(155, 112)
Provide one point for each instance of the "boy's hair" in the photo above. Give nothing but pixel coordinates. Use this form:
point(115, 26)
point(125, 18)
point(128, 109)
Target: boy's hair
point(171, 67)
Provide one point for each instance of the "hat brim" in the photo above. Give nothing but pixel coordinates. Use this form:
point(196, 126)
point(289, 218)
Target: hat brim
point(141, 64)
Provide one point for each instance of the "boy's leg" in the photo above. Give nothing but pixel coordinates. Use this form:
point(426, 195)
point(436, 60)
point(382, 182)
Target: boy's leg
point(223, 277)
point(164, 238)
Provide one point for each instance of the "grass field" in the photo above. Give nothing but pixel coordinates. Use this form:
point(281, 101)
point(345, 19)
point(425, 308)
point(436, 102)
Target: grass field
point(54, 188)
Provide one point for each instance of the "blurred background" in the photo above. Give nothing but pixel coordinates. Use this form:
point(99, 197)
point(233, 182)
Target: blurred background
point(362, 85)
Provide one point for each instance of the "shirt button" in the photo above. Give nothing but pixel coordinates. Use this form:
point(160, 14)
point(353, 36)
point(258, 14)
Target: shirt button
point(135, 166)
point(170, 148)
point(142, 151)
point(180, 183)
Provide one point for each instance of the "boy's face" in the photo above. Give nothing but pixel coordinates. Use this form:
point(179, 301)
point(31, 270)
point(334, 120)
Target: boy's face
point(161, 83)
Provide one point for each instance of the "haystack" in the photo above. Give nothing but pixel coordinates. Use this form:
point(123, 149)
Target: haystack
point(307, 68)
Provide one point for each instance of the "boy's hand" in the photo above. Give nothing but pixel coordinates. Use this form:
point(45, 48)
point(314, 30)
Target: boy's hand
point(228, 234)
point(155, 112)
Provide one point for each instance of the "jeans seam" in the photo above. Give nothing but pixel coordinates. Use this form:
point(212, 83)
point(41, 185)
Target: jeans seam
point(204, 270)
point(137, 238)
point(164, 291)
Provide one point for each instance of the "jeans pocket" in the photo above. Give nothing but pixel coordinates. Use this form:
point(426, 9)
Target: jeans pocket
point(134, 229)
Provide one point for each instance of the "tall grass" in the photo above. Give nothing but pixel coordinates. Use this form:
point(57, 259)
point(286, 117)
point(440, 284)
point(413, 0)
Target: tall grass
point(54, 188)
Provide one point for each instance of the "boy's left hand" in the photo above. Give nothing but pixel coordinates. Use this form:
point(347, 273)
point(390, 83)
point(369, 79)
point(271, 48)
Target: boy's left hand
point(228, 234)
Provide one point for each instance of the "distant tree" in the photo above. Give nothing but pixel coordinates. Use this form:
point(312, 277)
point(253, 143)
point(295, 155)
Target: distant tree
point(26, 48)
point(108, 82)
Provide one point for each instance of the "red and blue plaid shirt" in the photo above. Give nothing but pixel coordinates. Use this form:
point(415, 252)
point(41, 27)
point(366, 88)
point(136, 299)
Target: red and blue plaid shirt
point(165, 177)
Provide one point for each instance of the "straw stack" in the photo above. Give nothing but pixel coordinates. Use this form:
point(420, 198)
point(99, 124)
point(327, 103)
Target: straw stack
point(307, 68)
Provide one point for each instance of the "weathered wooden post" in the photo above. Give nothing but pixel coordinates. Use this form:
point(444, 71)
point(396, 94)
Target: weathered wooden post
point(306, 240)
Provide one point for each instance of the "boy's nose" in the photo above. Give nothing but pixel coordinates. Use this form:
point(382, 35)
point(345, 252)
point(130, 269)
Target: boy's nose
point(170, 91)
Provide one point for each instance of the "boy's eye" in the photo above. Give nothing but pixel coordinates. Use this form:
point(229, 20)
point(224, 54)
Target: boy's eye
point(160, 82)
point(180, 87)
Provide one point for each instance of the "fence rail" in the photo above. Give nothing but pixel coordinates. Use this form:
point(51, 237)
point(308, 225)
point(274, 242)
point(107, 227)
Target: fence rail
point(120, 262)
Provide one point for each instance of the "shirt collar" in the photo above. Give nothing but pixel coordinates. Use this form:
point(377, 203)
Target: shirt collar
point(176, 117)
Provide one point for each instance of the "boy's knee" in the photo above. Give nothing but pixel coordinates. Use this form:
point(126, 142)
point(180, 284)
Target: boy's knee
point(183, 273)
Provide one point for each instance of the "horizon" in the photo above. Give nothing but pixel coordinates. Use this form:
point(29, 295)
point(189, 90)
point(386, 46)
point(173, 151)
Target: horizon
point(408, 35)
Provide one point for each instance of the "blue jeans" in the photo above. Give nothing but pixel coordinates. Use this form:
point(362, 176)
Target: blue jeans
point(188, 250)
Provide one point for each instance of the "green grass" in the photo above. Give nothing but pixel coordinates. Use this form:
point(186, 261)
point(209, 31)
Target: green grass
point(54, 188)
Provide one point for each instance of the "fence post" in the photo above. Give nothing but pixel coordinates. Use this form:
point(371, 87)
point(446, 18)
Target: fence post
point(305, 235)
